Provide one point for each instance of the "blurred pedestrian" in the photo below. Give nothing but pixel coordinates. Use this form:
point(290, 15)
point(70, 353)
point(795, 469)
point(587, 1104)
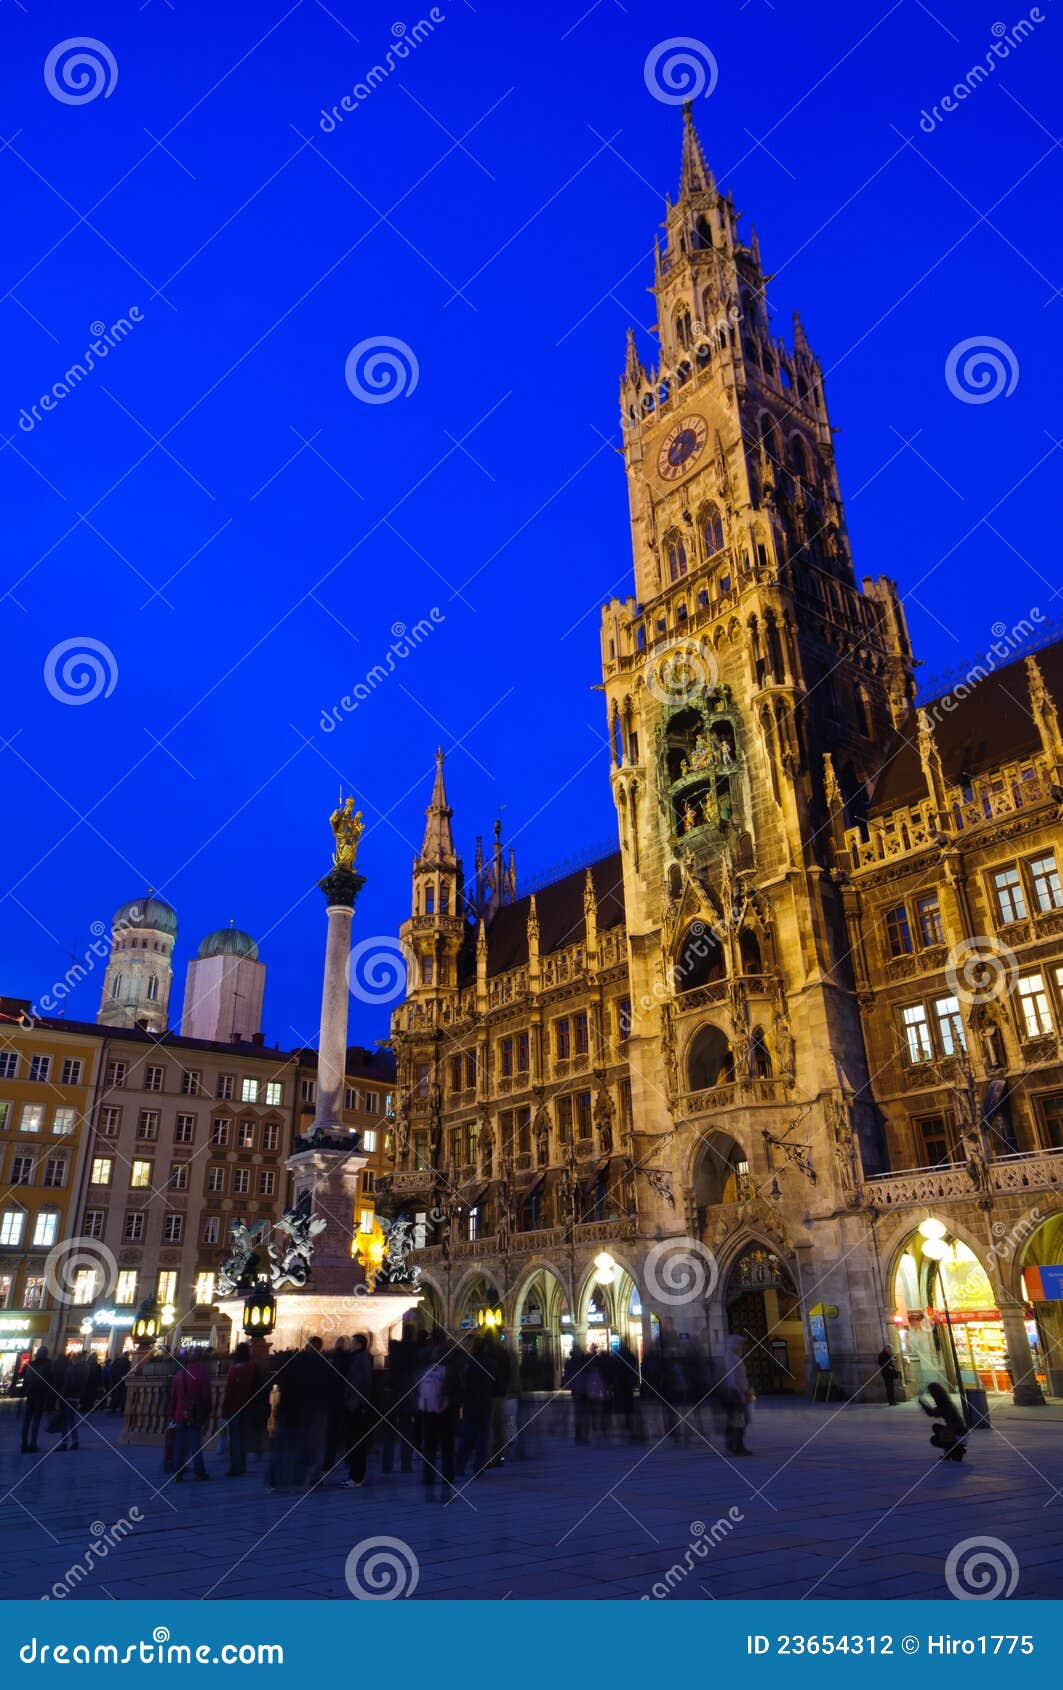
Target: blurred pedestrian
point(477, 1398)
point(890, 1373)
point(38, 1386)
point(359, 1412)
point(71, 1388)
point(240, 1386)
point(438, 1400)
point(190, 1409)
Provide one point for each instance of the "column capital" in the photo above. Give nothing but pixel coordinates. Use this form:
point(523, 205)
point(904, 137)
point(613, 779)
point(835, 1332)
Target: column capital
point(340, 886)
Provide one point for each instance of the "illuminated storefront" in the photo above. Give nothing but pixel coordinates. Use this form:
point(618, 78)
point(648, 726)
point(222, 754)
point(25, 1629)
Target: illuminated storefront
point(940, 1288)
point(20, 1335)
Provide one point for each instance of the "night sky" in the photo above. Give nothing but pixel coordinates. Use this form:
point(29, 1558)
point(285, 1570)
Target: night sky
point(244, 535)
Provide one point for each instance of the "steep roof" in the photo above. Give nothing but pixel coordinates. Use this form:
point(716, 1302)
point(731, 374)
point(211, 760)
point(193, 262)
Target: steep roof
point(990, 725)
point(559, 907)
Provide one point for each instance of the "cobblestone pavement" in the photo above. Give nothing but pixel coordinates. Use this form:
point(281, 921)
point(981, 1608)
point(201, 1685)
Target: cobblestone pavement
point(837, 1501)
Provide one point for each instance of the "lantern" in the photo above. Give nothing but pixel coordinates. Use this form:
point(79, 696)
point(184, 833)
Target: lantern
point(260, 1311)
point(146, 1325)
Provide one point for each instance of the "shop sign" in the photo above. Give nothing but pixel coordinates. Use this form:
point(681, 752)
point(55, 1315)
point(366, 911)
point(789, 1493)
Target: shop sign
point(1045, 1284)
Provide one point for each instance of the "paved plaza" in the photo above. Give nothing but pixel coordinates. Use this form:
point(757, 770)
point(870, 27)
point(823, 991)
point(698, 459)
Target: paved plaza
point(837, 1501)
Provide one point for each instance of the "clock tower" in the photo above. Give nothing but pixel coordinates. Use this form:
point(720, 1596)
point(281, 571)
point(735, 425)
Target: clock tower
point(749, 683)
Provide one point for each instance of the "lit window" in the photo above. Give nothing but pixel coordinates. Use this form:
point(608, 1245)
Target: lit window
point(40, 1067)
point(204, 1287)
point(1047, 889)
point(102, 1169)
point(928, 912)
point(153, 988)
point(369, 1140)
point(32, 1118)
point(1010, 900)
point(140, 1175)
point(46, 1228)
point(86, 1281)
point(274, 1093)
point(125, 1290)
point(898, 932)
point(950, 1025)
point(71, 1071)
point(167, 1287)
point(365, 1220)
point(1033, 1001)
point(245, 1135)
point(116, 986)
point(248, 1090)
point(917, 1033)
point(64, 1120)
point(12, 1226)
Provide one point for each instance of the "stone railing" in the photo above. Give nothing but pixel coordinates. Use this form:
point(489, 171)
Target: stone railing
point(147, 1399)
point(604, 1232)
point(913, 827)
point(1039, 1171)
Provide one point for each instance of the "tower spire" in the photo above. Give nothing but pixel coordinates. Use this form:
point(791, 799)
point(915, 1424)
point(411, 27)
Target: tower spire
point(438, 843)
point(695, 177)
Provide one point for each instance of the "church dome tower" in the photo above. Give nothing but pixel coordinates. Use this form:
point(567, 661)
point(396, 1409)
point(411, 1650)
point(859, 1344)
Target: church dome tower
point(136, 986)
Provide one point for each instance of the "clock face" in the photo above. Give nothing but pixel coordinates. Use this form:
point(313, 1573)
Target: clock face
point(681, 447)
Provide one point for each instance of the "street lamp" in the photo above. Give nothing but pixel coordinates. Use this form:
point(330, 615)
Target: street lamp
point(146, 1325)
point(935, 1249)
point(489, 1319)
point(604, 1269)
point(260, 1311)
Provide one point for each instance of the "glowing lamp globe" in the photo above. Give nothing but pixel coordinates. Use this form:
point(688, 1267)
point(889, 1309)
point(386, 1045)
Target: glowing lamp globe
point(932, 1228)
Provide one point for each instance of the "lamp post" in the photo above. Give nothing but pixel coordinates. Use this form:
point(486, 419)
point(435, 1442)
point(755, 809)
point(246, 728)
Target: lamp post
point(935, 1249)
point(260, 1317)
point(146, 1325)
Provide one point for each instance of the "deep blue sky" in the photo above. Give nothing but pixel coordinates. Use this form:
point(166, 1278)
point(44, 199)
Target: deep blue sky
point(277, 248)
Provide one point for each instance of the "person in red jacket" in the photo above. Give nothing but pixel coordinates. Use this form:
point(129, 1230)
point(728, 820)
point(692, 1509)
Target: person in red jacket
point(190, 1405)
point(241, 1387)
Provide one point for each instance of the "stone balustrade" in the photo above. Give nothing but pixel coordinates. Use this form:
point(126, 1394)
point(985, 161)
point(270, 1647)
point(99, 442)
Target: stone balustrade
point(1041, 1171)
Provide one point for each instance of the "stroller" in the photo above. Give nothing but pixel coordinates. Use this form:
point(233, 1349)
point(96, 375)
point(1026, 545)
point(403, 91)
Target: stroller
point(950, 1432)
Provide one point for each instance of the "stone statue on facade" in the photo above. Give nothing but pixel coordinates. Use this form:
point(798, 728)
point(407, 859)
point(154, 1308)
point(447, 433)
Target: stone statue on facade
point(396, 1268)
point(239, 1271)
point(289, 1262)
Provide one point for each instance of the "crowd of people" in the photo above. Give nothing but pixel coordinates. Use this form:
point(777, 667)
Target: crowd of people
point(450, 1410)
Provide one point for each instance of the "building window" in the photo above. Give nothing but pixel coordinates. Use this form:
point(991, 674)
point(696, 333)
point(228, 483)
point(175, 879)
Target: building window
point(86, 1284)
point(211, 1229)
point(173, 1229)
point(623, 1020)
point(148, 1123)
point(166, 1290)
point(248, 1090)
point(33, 1291)
point(582, 1033)
point(225, 1087)
point(125, 1291)
point(267, 1182)
point(470, 1071)
point(153, 1078)
point(32, 1118)
point(219, 1131)
point(898, 932)
point(308, 1090)
point(932, 1141)
point(917, 1033)
point(178, 1180)
point(372, 1103)
point(1044, 877)
point(93, 1224)
point(185, 1130)
point(140, 1174)
point(1033, 1001)
point(72, 1070)
point(115, 1073)
point(204, 1288)
point(190, 1082)
point(274, 1093)
point(241, 1182)
point(245, 1135)
point(564, 1120)
point(216, 1177)
point(110, 1121)
point(350, 1097)
point(40, 1068)
point(427, 970)
point(950, 1025)
point(583, 1114)
point(102, 1168)
point(5, 1110)
point(368, 1180)
point(1010, 899)
point(369, 1140)
point(133, 1231)
point(116, 987)
point(506, 1058)
point(562, 1038)
point(55, 1171)
point(22, 1170)
point(928, 914)
point(8, 1064)
point(12, 1226)
point(46, 1228)
point(64, 1121)
point(271, 1133)
point(153, 988)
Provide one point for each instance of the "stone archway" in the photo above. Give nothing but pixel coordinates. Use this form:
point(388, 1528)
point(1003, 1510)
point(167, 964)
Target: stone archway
point(543, 1322)
point(478, 1293)
point(1040, 1268)
point(762, 1304)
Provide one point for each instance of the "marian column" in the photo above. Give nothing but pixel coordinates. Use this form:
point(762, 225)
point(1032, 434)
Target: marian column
point(341, 886)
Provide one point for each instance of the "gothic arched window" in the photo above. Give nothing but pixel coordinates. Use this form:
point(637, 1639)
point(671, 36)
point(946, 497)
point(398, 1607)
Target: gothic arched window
point(712, 530)
point(677, 556)
point(709, 1062)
